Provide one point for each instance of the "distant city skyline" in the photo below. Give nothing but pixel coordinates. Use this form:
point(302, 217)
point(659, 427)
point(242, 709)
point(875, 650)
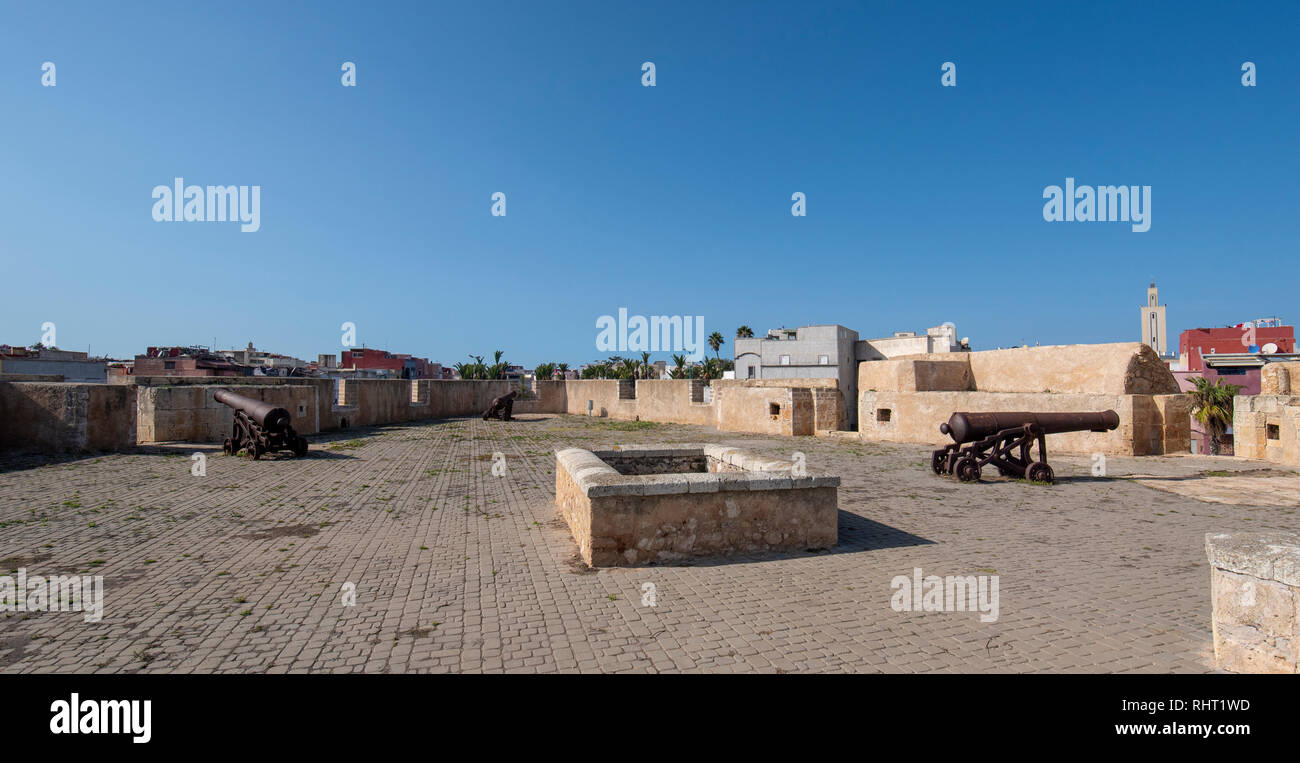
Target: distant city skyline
point(374, 203)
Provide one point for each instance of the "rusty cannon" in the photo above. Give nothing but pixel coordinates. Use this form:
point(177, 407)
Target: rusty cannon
point(1005, 441)
point(259, 427)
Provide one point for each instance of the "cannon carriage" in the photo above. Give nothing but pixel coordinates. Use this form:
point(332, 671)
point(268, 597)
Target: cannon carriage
point(1006, 441)
point(259, 427)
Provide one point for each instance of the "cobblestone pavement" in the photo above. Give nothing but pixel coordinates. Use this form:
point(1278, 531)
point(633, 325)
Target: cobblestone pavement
point(243, 570)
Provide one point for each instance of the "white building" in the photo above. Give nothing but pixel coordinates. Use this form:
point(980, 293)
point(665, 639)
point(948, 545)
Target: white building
point(941, 338)
point(256, 358)
point(832, 351)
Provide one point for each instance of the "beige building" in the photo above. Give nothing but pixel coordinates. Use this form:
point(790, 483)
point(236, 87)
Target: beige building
point(936, 339)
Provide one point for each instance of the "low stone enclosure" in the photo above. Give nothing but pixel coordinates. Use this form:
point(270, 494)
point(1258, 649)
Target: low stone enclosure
point(905, 399)
point(1255, 598)
point(649, 504)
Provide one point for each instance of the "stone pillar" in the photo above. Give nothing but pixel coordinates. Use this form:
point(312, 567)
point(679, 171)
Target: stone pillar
point(1275, 379)
point(1255, 598)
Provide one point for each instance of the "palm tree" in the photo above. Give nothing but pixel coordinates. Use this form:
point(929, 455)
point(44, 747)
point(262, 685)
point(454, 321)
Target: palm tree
point(475, 370)
point(498, 369)
point(679, 371)
point(744, 332)
point(645, 365)
point(1212, 407)
point(715, 341)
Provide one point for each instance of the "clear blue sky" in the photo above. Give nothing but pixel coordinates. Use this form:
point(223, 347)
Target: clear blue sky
point(924, 203)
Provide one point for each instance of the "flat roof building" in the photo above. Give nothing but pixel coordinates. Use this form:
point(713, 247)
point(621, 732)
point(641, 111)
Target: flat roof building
point(809, 352)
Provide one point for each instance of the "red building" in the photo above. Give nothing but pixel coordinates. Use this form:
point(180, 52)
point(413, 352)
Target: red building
point(399, 366)
point(1231, 355)
point(1253, 337)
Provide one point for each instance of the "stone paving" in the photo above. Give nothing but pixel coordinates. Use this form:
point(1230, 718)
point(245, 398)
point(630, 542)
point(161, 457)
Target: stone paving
point(458, 570)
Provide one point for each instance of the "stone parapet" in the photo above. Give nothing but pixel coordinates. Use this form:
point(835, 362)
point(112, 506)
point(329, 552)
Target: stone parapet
point(1255, 601)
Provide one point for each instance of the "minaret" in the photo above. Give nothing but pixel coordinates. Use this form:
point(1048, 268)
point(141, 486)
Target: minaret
point(1153, 321)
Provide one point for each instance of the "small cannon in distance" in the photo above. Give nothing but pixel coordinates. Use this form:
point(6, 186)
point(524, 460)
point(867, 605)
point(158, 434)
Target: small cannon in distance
point(501, 407)
point(1006, 439)
point(259, 427)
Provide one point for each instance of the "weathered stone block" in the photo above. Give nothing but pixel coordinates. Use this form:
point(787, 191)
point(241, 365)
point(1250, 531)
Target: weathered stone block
point(1255, 601)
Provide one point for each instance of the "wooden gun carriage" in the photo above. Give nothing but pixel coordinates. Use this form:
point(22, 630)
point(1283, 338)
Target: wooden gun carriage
point(259, 427)
point(1005, 441)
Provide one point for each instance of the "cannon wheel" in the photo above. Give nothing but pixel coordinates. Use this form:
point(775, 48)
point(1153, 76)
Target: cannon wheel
point(1040, 472)
point(300, 446)
point(255, 450)
point(968, 470)
point(937, 462)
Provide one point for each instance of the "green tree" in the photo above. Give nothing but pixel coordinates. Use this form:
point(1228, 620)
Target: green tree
point(475, 370)
point(498, 368)
point(744, 332)
point(600, 369)
point(716, 341)
point(1212, 407)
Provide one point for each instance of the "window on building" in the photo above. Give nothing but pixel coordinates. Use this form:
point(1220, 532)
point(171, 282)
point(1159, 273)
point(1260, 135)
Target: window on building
point(752, 369)
point(883, 414)
point(785, 360)
point(824, 360)
point(1274, 432)
point(169, 364)
point(773, 409)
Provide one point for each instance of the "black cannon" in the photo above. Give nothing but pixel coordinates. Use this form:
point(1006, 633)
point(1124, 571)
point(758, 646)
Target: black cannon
point(260, 427)
point(1006, 439)
point(501, 407)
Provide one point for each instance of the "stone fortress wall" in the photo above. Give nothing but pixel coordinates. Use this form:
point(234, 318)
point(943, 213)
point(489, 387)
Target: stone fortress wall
point(902, 400)
point(905, 399)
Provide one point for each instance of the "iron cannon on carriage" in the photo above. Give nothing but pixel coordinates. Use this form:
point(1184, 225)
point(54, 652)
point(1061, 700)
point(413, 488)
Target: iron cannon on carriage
point(259, 427)
point(1006, 440)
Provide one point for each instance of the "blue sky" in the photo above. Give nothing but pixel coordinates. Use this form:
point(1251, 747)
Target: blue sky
point(924, 203)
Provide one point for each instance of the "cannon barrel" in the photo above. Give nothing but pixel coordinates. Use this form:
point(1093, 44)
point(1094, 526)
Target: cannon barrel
point(969, 427)
point(270, 417)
